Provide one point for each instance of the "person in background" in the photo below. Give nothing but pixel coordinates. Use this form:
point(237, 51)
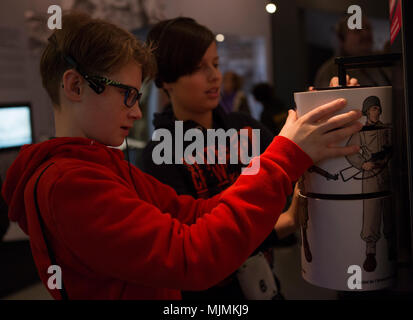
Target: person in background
point(274, 112)
point(233, 98)
point(353, 43)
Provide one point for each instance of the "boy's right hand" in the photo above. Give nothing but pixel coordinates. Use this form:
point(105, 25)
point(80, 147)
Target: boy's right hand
point(318, 131)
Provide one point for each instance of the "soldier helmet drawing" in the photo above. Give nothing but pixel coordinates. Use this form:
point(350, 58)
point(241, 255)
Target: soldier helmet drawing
point(370, 102)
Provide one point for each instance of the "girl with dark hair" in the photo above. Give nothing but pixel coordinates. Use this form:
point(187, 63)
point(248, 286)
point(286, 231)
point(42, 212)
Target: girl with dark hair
point(188, 72)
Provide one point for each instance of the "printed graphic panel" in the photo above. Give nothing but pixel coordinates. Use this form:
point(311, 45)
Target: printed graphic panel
point(338, 234)
point(367, 171)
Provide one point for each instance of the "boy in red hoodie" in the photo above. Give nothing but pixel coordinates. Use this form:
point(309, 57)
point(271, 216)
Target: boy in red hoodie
point(114, 231)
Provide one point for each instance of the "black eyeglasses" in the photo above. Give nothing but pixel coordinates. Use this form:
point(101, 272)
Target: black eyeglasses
point(98, 84)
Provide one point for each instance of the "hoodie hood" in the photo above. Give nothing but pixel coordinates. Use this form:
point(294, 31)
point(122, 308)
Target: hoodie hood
point(30, 158)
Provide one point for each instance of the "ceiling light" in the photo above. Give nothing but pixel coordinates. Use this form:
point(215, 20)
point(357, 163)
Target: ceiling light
point(271, 8)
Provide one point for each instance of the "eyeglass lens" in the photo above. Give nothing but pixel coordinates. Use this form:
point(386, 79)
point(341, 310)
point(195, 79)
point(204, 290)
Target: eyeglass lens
point(131, 96)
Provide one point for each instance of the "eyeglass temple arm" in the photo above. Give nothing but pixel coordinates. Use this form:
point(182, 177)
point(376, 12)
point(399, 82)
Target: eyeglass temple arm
point(74, 64)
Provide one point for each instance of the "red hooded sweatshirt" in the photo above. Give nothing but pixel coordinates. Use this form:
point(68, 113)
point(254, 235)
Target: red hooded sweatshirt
point(113, 241)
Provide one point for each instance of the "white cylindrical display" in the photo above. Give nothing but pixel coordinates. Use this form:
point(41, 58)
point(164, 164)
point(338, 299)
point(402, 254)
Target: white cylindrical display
point(346, 216)
point(348, 245)
point(345, 175)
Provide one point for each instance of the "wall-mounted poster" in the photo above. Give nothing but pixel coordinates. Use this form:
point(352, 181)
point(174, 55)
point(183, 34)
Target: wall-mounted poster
point(128, 14)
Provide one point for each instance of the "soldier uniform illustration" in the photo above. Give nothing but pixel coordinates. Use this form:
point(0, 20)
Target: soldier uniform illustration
point(371, 166)
point(303, 219)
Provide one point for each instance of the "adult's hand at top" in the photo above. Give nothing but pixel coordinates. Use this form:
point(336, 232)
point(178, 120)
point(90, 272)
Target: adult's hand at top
point(351, 82)
point(318, 131)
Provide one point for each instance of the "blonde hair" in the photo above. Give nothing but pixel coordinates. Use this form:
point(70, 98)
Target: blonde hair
point(98, 46)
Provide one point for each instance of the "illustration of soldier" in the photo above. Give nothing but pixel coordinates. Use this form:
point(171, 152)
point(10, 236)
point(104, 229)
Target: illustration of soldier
point(303, 219)
point(371, 166)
